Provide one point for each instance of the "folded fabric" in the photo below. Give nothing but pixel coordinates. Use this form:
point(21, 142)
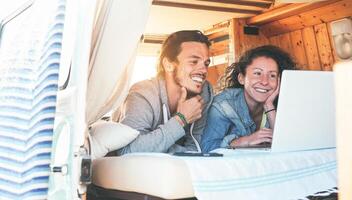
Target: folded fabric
point(109, 136)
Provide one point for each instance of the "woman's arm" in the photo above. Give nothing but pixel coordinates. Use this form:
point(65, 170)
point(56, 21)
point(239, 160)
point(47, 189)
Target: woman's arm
point(215, 130)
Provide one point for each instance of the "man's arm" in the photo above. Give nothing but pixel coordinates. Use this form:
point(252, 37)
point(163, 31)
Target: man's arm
point(138, 113)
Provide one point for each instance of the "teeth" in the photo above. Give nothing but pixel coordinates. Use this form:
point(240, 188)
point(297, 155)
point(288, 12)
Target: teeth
point(197, 79)
point(261, 90)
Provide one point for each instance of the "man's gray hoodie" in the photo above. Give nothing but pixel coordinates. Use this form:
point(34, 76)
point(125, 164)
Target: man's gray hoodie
point(143, 110)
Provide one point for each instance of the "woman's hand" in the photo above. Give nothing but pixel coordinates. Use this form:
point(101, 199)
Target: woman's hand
point(269, 103)
point(260, 136)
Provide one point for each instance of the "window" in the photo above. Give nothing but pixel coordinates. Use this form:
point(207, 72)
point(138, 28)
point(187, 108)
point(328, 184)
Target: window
point(9, 11)
point(144, 68)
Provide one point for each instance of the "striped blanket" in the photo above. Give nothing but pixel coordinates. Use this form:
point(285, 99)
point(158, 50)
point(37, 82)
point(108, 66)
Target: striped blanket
point(251, 174)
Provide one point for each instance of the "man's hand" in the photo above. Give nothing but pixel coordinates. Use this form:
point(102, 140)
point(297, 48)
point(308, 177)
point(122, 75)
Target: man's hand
point(190, 108)
point(260, 136)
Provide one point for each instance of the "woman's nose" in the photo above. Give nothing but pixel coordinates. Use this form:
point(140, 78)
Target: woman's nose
point(264, 80)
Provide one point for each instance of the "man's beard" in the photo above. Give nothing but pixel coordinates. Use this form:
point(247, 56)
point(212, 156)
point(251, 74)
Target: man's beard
point(190, 94)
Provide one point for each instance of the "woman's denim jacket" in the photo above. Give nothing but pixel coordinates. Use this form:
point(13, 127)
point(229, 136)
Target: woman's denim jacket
point(228, 119)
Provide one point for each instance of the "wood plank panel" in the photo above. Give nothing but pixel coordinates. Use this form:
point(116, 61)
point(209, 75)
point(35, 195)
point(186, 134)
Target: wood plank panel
point(298, 51)
point(235, 38)
point(285, 42)
point(212, 75)
point(222, 46)
point(215, 73)
point(245, 42)
point(217, 34)
point(313, 17)
point(274, 40)
point(216, 52)
point(324, 47)
point(311, 48)
point(286, 11)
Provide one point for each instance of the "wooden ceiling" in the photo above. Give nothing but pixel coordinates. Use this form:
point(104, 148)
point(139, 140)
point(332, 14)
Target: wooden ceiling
point(248, 7)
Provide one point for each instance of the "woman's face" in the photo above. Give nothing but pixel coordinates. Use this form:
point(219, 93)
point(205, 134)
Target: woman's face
point(261, 79)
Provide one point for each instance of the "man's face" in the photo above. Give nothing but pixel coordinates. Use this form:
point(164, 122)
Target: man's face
point(192, 66)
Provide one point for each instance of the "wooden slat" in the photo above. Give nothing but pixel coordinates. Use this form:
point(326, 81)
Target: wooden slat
point(218, 34)
point(204, 7)
point(235, 38)
point(331, 12)
point(274, 40)
point(324, 47)
point(212, 75)
point(215, 73)
point(216, 52)
point(258, 4)
point(219, 46)
point(217, 27)
point(311, 48)
point(286, 11)
point(298, 52)
point(245, 42)
point(285, 42)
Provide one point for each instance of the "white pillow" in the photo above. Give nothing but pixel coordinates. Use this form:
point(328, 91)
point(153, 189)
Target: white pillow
point(109, 136)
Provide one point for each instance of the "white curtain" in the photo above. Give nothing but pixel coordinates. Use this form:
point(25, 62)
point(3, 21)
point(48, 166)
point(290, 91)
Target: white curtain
point(118, 27)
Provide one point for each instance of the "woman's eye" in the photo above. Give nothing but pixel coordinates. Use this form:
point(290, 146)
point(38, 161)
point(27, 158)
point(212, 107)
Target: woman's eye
point(273, 76)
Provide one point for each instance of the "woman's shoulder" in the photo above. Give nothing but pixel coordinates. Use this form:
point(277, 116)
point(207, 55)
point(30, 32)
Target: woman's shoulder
point(228, 94)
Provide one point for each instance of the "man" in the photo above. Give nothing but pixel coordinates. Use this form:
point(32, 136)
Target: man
point(169, 111)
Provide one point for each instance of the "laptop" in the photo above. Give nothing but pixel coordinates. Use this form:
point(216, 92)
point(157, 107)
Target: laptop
point(305, 117)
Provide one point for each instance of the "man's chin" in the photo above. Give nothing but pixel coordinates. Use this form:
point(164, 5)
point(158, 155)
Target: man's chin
point(192, 93)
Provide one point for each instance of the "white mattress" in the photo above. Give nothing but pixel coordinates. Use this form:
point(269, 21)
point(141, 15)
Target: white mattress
point(158, 174)
point(234, 176)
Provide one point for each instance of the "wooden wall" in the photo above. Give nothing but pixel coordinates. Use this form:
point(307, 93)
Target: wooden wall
point(305, 35)
point(311, 47)
point(220, 48)
point(303, 32)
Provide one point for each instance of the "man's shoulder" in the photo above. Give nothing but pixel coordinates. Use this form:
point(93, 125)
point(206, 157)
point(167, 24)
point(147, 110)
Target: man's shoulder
point(149, 87)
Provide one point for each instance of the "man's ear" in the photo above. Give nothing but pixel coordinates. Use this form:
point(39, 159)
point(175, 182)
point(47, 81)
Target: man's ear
point(168, 66)
point(240, 78)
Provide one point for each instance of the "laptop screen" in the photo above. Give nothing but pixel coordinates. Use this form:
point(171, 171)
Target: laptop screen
point(305, 117)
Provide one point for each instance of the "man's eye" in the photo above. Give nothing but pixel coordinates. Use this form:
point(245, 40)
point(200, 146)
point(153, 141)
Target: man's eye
point(194, 62)
point(207, 63)
point(257, 73)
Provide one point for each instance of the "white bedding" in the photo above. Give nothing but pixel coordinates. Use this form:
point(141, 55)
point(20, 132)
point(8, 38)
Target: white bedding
point(240, 174)
point(155, 174)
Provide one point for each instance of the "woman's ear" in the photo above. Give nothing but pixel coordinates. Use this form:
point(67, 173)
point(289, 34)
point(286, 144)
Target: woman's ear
point(240, 78)
point(168, 66)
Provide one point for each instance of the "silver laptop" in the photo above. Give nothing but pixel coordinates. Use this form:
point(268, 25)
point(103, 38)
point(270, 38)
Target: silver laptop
point(305, 117)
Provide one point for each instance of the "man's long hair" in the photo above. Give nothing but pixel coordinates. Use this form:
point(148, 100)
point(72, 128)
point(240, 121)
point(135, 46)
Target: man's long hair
point(172, 46)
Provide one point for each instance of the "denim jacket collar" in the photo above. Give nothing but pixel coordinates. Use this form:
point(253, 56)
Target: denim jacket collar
point(240, 106)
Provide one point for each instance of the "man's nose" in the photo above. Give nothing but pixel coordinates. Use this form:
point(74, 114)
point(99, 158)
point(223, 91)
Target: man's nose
point(203, 67)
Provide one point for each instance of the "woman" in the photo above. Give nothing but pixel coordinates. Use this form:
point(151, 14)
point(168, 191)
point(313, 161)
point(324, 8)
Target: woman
point(244, 112)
